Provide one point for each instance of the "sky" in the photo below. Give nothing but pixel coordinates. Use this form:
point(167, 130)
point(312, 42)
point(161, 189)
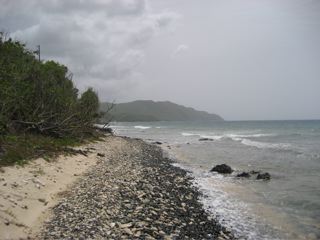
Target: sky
point(244, 60)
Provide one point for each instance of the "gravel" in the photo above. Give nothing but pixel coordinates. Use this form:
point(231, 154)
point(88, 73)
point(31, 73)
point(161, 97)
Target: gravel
point(132, 193)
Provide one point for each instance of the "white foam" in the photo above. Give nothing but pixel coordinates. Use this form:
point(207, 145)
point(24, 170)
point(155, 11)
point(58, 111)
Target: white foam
point(262, 145)
point(232, 213)
point(256, 135)
point(236, 137)
point(214, 137)
point(142, 127)
point(189, 134)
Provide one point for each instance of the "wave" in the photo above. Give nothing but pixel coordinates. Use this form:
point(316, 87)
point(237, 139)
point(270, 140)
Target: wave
point(281, 146)
point(142, 127)
point(214, 137)
point(255, 135)
point(243, 138)
point(189, 134)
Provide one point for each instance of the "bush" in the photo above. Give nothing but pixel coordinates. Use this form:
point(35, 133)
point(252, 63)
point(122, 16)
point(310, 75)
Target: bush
point(40, 97)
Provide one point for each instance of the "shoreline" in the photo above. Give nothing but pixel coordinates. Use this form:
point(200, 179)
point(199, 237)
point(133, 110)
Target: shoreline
point(132, 191)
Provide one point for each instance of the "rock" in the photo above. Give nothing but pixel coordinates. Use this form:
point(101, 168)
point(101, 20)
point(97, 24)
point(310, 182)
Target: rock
point(42, 200)
point(222, 168)
point(138, 234)
point(101, 155)
point(37, 181)
point(157, 142)
point(263, 176)
point(126, 225)
point(127, 231)
point(205, 139)
point(244, 175)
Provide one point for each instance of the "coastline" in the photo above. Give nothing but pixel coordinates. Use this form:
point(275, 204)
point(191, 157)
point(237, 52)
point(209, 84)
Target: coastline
point(130, 191)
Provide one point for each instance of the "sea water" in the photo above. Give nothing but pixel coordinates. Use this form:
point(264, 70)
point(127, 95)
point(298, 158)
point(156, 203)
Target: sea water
point(286, 207)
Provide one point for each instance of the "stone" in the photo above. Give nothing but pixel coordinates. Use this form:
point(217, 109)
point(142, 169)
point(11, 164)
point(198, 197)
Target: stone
point(126, 225)
point(264, 176)
point(243, 175)
point(205, 139)
point(127, 231)
point(222, 168)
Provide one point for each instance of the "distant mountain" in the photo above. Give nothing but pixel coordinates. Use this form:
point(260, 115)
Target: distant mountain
point(147, 110)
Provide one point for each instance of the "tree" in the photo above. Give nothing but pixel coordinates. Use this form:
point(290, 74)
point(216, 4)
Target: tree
point(40, 97)
point(89, 104)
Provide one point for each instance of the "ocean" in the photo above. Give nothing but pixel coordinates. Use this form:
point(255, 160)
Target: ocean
point(286, 207)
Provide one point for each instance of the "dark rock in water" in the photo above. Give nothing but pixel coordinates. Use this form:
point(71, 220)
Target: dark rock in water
point(263, 176)
point(159, 143)
point(254, 172)
point(205, 139)
point(222, 168)
point(244, 175)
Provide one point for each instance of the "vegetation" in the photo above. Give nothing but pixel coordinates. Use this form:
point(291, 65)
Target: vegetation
point(147, 111)
point(39, 99)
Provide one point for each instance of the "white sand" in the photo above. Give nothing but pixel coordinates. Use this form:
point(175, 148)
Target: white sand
point(27, 193)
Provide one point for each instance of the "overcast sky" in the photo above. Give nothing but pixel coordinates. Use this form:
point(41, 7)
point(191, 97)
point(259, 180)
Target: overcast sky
point(248, 59)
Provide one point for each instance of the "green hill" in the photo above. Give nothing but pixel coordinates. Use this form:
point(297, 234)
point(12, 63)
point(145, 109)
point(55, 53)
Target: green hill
point(147, 110)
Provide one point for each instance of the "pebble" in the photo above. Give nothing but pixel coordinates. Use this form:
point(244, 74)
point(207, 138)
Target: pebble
point(133, 193)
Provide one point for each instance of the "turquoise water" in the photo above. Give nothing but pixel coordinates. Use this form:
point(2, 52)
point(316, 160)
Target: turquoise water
point(287, 207)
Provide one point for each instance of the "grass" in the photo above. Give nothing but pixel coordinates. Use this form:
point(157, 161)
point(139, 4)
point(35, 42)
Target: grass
point(19, 149)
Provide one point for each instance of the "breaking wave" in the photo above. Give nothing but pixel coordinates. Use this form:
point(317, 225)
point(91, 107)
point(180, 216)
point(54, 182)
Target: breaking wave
point(142, 127)
point(244, 139)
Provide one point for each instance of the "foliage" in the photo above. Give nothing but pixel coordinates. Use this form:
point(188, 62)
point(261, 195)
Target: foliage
point(40, 97)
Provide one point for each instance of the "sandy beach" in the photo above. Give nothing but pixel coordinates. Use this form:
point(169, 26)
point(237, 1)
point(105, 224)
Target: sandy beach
point(27, 193)
point(123, 189)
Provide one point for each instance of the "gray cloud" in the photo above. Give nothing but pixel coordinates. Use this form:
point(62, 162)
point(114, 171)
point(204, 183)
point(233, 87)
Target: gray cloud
point(247, 60)
point(180, 49)
point(101, 42)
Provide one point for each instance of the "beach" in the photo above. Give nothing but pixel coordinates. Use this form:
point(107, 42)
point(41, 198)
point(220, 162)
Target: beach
point(123, 189)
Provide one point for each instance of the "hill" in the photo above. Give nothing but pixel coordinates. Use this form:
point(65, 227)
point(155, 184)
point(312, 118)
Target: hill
point(147, 110)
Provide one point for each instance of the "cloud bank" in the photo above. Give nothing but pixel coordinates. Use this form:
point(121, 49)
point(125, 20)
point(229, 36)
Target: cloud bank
point(101, 41)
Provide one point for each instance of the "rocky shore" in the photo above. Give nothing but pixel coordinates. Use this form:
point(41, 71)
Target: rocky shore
point(132, 193)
